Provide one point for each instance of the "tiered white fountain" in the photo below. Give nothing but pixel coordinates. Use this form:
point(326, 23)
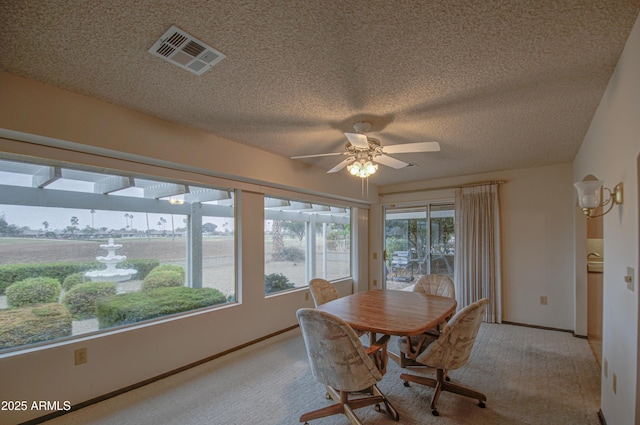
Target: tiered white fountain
point(111, 274)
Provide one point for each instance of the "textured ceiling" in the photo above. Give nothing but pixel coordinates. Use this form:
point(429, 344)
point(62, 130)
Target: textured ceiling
point(500, 84)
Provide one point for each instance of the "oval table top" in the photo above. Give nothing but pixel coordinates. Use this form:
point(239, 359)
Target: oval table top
point(391, 312)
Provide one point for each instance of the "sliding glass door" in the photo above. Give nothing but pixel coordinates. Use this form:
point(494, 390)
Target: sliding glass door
point(418, 241)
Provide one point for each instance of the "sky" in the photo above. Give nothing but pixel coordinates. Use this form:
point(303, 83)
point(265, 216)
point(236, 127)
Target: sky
point(60, 218)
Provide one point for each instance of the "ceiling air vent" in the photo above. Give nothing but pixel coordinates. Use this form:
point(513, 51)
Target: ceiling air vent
point(183, 50)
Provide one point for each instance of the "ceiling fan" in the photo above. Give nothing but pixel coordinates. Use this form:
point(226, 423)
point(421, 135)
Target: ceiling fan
point(364, 153)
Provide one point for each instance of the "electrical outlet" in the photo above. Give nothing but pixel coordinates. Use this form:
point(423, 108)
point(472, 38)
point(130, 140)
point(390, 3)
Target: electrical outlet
point(375, 282)
point(80, 356)
point(543, 300)
point(375, 255)
point(630, 278)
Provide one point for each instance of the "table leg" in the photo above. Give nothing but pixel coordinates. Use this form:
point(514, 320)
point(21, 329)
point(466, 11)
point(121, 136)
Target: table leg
point(395, 357)
point(379, 356)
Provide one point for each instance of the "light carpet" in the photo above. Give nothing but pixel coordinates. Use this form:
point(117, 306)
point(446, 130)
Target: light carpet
point(530, 376)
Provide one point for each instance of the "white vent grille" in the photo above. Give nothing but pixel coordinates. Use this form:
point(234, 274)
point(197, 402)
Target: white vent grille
point(181, 49)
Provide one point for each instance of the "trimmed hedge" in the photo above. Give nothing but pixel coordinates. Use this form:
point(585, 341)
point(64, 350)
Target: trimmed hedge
point(21, 326)
point(134, 307)
point(11, 273)
point(170, 267)
point(34, 290)
point(81, 300)
point(73, 280)
point(162, 279)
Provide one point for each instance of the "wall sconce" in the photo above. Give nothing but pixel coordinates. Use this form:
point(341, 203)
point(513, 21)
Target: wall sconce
point(589, 196)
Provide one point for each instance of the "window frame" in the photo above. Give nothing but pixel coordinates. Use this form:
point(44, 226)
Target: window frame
point(166, 196)
point(277, 206)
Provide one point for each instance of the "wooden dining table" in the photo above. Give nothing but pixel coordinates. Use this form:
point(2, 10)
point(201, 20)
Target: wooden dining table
point(391, 312)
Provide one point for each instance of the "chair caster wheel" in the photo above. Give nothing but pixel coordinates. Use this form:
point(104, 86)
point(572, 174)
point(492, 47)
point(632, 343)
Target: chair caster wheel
point(406, 384)
point(377, 407)
point(434, 412)
point(481, 404)
point(447, 379)
point(327, 396)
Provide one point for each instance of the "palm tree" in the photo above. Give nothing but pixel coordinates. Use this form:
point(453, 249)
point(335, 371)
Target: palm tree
point(277, 253)
point(162, 222)
point(46, 225)
point(92, 213)
point(74, 224)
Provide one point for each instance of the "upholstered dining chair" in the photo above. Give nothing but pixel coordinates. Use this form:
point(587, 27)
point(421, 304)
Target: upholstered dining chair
point(322, 291)
point(451, 350)
point(431, 284)
point(436, 284)
point(339, 361)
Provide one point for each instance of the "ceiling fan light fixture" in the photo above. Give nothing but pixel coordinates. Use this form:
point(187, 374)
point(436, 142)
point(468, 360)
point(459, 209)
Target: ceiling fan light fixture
point(354, 169)
point(370, 167)
point(362, 168)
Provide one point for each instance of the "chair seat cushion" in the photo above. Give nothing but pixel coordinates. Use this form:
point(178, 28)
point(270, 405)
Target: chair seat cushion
point(422, 341)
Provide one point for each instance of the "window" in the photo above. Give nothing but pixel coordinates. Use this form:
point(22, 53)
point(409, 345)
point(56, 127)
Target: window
point(304, 240)
point(82, 250)
point(418, 241)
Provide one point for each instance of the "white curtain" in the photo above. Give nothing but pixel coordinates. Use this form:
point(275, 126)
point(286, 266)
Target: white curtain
point(477, 255)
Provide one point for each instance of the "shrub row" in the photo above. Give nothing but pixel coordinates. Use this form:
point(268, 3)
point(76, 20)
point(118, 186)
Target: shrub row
point(142, 265)
point(134, 307)
point(81, 300)
point(10, 273)
point(27, 325)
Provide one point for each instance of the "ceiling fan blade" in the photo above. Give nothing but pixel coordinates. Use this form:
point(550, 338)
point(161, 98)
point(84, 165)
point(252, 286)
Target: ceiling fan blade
point(390, 162)
point(341, 165)
point(358, 140)
point(317, 155)
point(412, 147)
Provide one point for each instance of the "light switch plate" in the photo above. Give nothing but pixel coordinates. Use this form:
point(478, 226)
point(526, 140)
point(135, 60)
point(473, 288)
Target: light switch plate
point(630, 279)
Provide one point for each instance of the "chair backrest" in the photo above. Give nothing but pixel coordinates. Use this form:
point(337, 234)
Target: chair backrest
point(336, 355)
point(453, 348)
point(322, 291)
point(436, 284)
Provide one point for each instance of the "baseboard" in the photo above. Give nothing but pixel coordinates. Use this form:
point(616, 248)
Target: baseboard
point(547, 328)
point(95, 400)
point(601, 417)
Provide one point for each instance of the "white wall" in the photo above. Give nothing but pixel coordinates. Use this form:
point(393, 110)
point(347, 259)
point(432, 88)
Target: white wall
point(536, 206)
point(60, 125)
point(610, 152)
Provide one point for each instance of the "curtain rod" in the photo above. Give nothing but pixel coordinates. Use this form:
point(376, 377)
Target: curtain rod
point(457, 186)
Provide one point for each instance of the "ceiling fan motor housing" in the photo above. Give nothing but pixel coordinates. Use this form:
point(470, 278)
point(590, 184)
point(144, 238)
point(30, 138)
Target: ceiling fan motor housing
point(362, 126)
